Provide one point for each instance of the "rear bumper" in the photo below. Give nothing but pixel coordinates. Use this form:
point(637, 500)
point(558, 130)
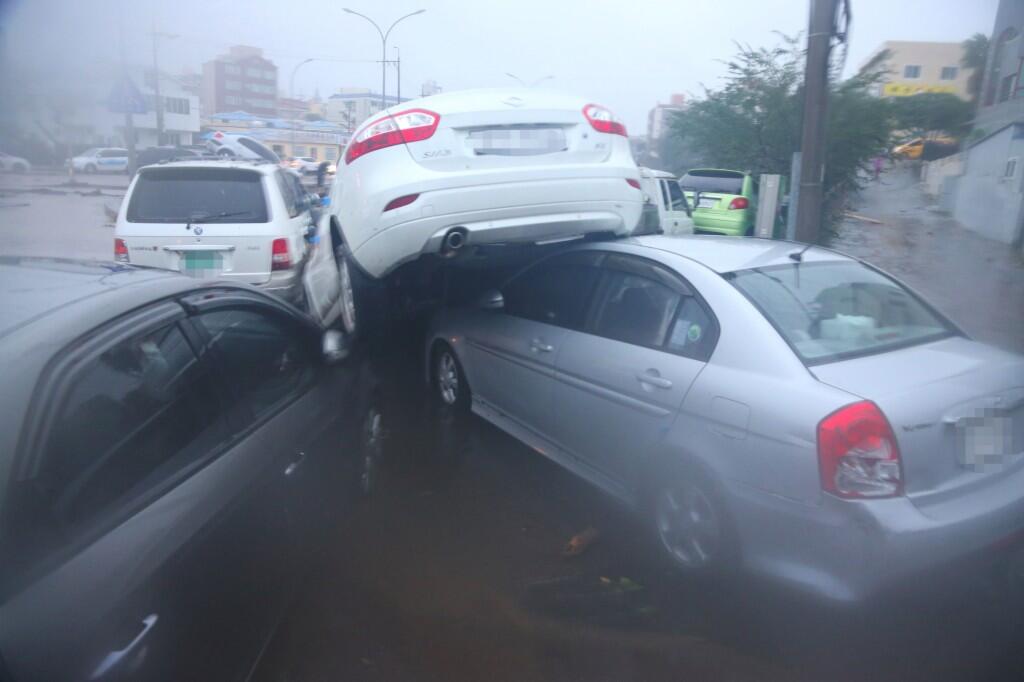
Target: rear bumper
point(731, 225)
point(497, 213)
point(849, 551)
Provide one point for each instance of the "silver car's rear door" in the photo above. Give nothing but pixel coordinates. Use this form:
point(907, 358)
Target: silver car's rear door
point(620, 384)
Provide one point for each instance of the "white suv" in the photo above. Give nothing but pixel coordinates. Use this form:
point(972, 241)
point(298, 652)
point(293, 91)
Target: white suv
point(238, 220)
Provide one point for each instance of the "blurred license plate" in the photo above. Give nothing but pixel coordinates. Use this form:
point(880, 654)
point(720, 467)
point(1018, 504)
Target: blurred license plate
point(984, 443)
point(201, 263)
point(707, 203)
point(517, 140)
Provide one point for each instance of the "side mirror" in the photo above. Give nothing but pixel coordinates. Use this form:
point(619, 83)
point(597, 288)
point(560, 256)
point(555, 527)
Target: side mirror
point(335, 346)
point(491, 300)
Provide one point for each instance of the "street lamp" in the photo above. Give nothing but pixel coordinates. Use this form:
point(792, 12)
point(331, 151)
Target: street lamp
point(291, 81)
point(531, 85)
point(384, 48)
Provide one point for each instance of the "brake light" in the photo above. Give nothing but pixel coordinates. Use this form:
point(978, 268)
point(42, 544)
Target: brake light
point(120, 251)
point(401, 201)
point(857, 453)
point(280, 255)
point(602, 120)
point(405, 126)
point(739, 202)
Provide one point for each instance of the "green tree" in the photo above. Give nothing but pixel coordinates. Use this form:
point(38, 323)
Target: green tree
point(753, 122)
point(929, 112)
point(975, 57)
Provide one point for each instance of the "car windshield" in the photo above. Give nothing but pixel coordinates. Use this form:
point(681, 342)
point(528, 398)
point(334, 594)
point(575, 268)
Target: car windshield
point(177, 195)
point(831, 311)
point(724, 183)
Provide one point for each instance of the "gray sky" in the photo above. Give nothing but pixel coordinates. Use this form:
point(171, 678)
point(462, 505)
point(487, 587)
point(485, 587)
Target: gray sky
point(627, 55)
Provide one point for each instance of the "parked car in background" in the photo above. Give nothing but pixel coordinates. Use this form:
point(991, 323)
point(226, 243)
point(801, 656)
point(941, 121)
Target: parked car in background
point(100, 160)
point(237, 220)
point(666, 210)
point(153, 155)
point(926, 148)
point(14, 164)
point(173, 451)
point(724, 201)
point(233, 145)
point(304, 164)
point(445, 174)
point(868, 441)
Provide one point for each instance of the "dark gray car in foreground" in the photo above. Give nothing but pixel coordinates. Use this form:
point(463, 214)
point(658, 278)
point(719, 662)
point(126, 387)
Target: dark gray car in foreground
point(171, 449)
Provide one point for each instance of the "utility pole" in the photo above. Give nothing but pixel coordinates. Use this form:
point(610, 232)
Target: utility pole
point(821, 29)
point(383, 48)
point(159, 105)
point(398, 73)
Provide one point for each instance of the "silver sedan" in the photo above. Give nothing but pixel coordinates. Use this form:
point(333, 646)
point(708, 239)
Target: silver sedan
point(791, 411)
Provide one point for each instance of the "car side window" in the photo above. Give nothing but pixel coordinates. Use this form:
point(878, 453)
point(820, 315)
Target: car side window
point(139, 412)
point(267, 359)
point(665, 200)
point(298, 190)
point(678, 200)
point(556, 291)
point(634, 309)
point(287, 193)
point(693, 331)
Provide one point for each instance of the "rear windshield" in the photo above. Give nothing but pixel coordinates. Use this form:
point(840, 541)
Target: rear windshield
point(724, 183)
point(832, 311)
point(209, 195)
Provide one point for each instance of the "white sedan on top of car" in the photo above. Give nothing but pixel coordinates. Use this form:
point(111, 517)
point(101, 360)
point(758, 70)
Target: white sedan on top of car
point(481, 167)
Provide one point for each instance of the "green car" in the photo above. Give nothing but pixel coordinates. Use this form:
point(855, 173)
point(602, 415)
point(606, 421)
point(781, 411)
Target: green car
point(724, 201)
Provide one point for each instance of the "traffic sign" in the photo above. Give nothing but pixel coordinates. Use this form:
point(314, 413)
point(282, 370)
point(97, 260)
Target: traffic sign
point(125, 98)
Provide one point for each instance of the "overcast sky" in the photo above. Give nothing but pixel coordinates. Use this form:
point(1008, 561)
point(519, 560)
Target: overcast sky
point(626, 54)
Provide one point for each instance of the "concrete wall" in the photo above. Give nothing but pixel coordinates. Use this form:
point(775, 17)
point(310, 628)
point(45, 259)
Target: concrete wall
point(935, 173)
point(986, 201)
point(931, 57)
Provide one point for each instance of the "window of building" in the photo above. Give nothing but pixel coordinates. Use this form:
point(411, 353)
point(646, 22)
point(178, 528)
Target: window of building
point(254, 73)
point(232, 85)
point(231, 99)
point(1010, 171)
point(270, 75)
point(1006, 87)
point(176, 105)
point(330, 153)
point(912, 71)
point(232, 70)
point(299, 150)
point(313, 153)
point(949, 73)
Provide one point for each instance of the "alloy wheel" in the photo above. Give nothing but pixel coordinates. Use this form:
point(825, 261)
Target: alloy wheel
point(348, 295)
point(448, 378)
point(689, 526)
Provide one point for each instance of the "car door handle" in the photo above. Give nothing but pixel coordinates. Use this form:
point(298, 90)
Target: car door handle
point(537, 345)
point(112, 659)
point(653, 380)
point(294, 465)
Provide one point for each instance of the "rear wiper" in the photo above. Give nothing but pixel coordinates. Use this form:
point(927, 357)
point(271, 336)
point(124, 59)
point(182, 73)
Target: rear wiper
point(210, 216)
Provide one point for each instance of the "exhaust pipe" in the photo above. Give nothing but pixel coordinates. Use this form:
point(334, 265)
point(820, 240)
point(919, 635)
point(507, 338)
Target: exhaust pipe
point(453, 241)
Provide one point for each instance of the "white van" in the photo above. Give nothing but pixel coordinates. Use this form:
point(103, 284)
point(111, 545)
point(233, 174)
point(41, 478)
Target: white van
point(665, 207)
point(236, 220)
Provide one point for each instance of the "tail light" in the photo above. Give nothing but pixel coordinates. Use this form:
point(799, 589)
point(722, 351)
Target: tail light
point(857, 453)
point(405, 126)
point(120, 251)
point(633, 182)
point(280, 255)
point(739, 202)
point(602, 120)
point(401, 201)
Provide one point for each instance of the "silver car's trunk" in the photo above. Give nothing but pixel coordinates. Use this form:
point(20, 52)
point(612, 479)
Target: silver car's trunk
point(956, 406)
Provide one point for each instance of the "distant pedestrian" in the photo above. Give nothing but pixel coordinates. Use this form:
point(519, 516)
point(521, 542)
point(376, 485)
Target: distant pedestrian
point(321, 173)
point(879, 163)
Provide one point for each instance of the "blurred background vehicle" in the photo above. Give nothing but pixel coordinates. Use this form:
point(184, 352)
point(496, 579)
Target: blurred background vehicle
point(926, 148)
point(223, 435)
point(666, 210)
point(14, 164)
point(233, 145)
point(153, 155)
point(304, 164)
point(723, 201)
point(100, 160)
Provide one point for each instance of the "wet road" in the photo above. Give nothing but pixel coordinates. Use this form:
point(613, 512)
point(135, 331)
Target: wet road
point(454, 571)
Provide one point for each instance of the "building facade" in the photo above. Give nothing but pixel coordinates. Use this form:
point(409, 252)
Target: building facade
point(349, 107)
point(242, 79)
point(659, 119)
point(911, 67)
point(1002, 85)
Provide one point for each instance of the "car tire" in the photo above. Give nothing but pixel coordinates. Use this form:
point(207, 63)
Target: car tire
point(451, 389)
point(349, 282)
point(692, 524)
point(90, 168)
point(225, 153)
point(371, 450)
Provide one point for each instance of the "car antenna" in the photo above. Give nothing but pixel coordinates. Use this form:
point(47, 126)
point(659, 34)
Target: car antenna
point(798, 256)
